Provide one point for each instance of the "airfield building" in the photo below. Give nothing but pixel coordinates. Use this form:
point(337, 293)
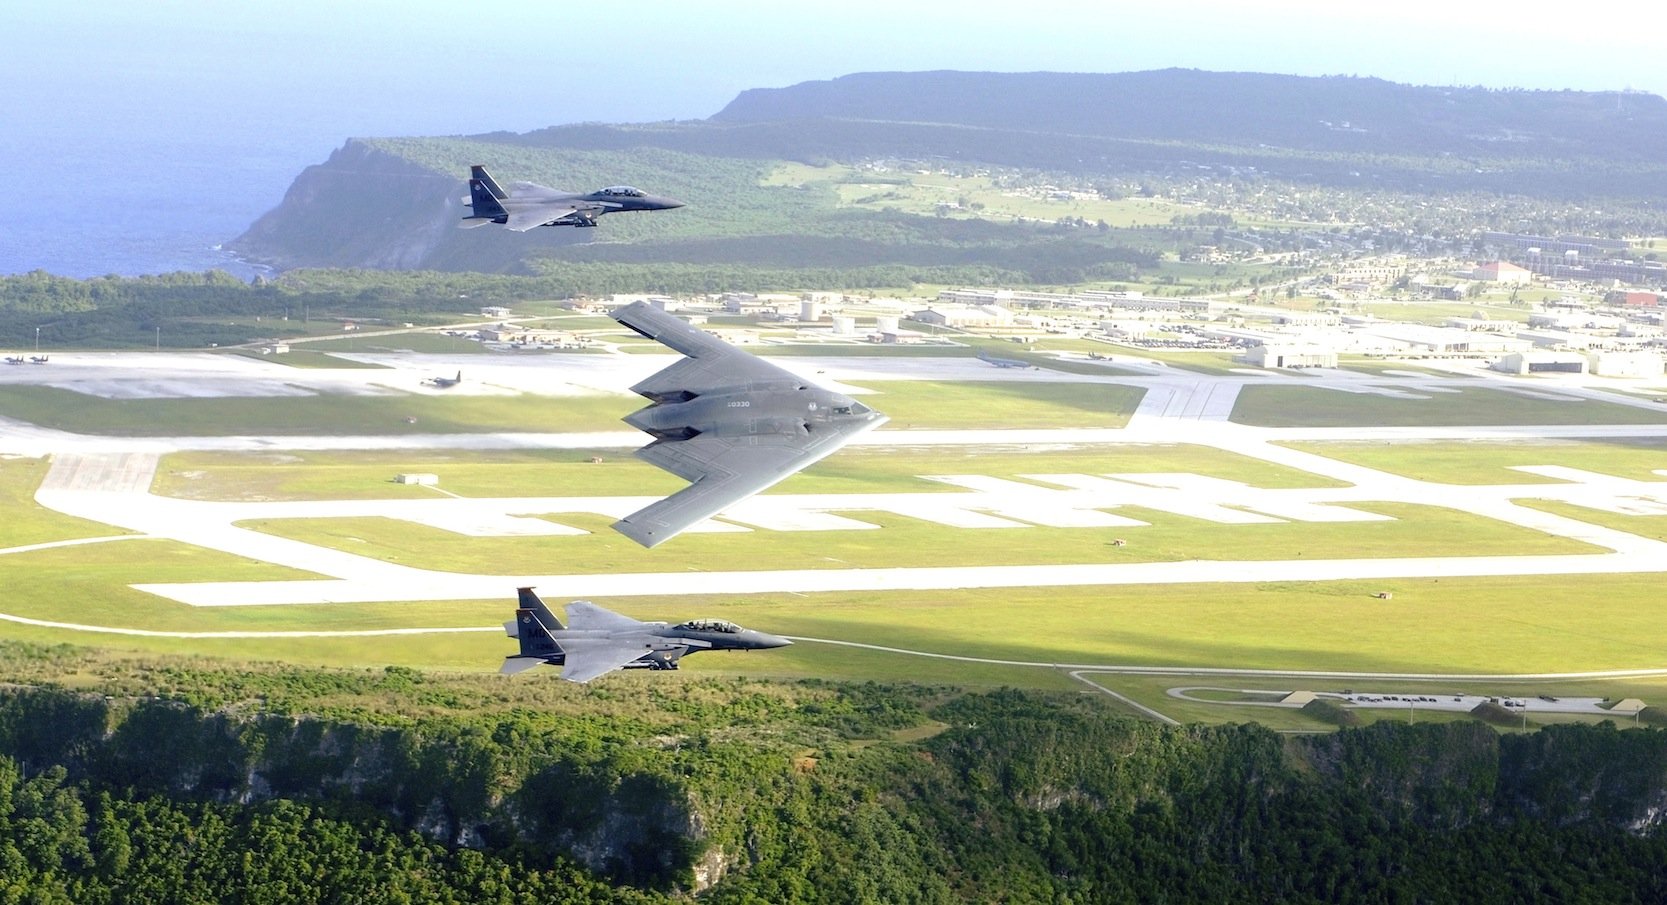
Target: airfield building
point(1446, 340)
point(1559, 339)
point(1134, 301)
point(1291, 356)
point(1369, 275)
point(1542, 362)
point(1503, 272)
point(1586, 245)
point(1629, 299)
point(964, 316)
point(1305, 318)
point(1638, 364)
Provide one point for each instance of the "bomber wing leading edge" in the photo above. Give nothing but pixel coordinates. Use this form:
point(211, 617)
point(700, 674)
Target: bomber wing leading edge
point(727, 421)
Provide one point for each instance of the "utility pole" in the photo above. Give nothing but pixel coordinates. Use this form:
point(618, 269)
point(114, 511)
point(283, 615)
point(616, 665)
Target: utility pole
point(37, 339)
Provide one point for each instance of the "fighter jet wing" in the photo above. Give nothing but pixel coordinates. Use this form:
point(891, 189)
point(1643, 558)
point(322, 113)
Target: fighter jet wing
point(525, 218)
point(711, 363)
point(584, 616)
point(726, 470)
point(587, 659)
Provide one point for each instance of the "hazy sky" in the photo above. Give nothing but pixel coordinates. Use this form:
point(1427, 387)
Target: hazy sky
point(397, 66)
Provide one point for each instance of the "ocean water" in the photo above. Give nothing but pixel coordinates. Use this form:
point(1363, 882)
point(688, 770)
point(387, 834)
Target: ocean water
point(146, 190)
point(139, 138)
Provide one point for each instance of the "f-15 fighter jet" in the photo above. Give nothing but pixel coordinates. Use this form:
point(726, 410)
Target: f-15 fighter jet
point(531, 205)
point(596, 641)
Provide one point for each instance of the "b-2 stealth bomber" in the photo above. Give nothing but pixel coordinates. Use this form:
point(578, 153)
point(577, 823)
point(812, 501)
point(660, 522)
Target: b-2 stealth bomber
point(596, 641)
point(532, 205)
point(730, 422)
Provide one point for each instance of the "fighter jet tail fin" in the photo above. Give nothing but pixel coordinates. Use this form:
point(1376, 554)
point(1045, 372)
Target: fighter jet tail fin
point(485, 203)
point(479, 172)
point(528, 600)
point(533, 624)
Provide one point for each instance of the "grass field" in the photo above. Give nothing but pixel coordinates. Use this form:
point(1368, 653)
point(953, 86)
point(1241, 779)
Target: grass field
point(1653, 527)
point(1495, 625)
point(1479, 625)
point(1300, 406)
point(26, 522)
point(1527, 624)
point(923, 193)
point(1037, 354)
point(1436, 313)
point(910, 403)
point(1491, 461)
point(336, 475)
point(932, 404)
point(902, 542)
point(322, 415)
point(414, 341)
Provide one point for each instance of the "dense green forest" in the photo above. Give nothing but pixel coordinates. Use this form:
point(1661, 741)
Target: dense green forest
point(1339, 114)
point(198, 310)
point(393, 202)
point(190, 780)
point(390, 203)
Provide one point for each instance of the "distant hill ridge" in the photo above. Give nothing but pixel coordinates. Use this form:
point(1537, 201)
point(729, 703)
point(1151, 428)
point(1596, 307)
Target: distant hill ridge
point(1315, 113)
point(392, 203)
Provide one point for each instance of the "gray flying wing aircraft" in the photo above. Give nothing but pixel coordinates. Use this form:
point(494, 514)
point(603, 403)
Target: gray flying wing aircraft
point(730, 422)
point(532, 205)
point(596, 641)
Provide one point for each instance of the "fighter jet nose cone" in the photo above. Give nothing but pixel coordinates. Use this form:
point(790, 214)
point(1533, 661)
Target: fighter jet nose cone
point(672, 203)
point(773, 641)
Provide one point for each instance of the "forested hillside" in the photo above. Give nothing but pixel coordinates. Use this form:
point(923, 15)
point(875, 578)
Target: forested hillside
point(1329, 114)
point(394, 203)
point(190, 781)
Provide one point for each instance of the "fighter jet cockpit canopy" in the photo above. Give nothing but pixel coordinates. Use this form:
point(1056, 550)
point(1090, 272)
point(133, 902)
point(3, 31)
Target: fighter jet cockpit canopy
point(710, 625)
point(625, 190)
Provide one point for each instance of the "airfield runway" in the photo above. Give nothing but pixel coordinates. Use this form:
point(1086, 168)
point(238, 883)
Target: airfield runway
point(106, 479)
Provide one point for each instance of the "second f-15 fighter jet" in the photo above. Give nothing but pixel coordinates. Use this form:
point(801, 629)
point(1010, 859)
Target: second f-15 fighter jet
point(732, 423)
point(532, 205)
point(596, 641)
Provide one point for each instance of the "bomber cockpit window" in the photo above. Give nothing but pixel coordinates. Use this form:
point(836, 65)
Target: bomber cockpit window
point(710, 625)
point(855, 408)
